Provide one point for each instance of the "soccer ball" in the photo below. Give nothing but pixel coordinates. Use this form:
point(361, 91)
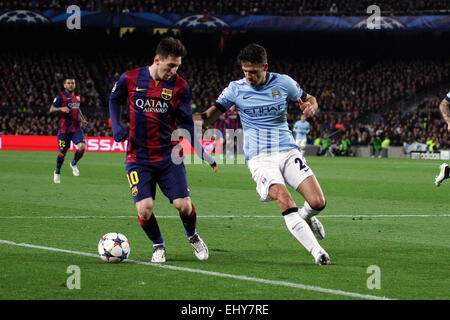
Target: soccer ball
point(114, 247)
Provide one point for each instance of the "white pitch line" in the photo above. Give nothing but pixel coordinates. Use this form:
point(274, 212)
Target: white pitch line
point(211, 273)
point(235, 216)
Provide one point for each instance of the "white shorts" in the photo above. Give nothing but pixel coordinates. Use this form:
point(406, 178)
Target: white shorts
point(301, 143)
point(284, 167)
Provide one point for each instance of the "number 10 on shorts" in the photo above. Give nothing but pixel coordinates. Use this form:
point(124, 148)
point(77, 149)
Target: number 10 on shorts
point(133, 178)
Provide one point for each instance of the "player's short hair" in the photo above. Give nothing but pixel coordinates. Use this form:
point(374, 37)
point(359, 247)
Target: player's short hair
point(170, 46)
point(253, 53)
point(69, 78)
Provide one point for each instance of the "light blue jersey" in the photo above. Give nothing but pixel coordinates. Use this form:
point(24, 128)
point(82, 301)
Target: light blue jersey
point(448, 96)
point(263, 112)
point(301, 129)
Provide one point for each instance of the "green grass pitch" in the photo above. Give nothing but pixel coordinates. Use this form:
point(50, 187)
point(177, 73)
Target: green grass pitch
point(380, 212)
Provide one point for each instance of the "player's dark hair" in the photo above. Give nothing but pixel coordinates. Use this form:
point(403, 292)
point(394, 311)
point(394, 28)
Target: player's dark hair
point(253, 53)
point(68, 78)
point(171, 46)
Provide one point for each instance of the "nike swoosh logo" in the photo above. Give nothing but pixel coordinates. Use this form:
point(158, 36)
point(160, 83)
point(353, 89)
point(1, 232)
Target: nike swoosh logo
point(245, 97)
point(139, 89)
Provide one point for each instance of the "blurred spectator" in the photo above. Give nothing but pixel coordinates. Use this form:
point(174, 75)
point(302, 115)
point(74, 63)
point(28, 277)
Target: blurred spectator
point(375, 146)
point(325, 142)
point(345, 145)
point(333, 9)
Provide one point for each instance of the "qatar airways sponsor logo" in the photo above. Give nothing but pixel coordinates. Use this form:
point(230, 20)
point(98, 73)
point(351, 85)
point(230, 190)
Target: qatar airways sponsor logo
point(152, 105)
point(73, 105)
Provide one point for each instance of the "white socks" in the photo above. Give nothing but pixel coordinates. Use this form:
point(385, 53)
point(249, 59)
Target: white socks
point(302, 232)
point(306, 212)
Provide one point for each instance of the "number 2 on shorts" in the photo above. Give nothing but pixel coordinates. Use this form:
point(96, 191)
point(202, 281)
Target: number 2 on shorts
point(300, 162)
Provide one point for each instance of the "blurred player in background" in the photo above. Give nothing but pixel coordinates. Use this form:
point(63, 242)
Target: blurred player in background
point(444, 109)
point(158, 99)
point(67, 103)
point(271, 153)
point(301, 129)
point(232, 125)
point(220, 125)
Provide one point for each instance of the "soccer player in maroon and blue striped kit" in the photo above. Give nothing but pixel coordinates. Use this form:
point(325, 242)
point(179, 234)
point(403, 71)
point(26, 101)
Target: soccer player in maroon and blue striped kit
point(67, 103)
point(158, 100)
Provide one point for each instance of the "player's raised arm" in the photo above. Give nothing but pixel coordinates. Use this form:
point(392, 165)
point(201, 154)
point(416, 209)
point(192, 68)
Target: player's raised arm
point(444, 109)
point(307, 102)
point(309, 106)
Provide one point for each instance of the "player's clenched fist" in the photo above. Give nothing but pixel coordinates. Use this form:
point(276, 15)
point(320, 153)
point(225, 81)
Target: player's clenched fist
point(307, 108)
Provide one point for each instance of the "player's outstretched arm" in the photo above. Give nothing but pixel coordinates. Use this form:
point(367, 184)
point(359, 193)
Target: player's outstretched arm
point(186, 119)
point(209, 116)
point(444, 109)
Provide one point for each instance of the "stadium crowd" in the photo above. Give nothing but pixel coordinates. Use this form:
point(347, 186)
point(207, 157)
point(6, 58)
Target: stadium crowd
point(347, 90)
point(242, 7)
point(342, 85)
point(32, 79)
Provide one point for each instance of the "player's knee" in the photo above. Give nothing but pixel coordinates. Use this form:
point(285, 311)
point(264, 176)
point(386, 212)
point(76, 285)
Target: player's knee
point(184, 206)
point(144, 209)
point(81, 147)
point(318, 203)
point(145, 213)
point(282, 196)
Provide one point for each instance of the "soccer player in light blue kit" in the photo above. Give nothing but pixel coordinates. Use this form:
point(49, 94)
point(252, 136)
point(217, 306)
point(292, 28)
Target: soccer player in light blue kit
point(301, 129)
point(272, 156)
point(444, 172)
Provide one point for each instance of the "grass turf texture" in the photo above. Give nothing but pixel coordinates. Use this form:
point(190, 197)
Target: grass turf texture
point(411, 252)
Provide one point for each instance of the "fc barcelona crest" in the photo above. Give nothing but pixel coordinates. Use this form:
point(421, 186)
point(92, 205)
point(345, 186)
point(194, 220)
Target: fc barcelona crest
point(166, 94)
point(276, 93)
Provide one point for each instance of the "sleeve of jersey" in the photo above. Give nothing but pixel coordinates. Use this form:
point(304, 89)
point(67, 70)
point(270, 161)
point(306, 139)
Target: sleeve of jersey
point(294, 90)
point(57, 102)
point(226, 99)
point(187, 123)
point(116, 100)
point(447, 97)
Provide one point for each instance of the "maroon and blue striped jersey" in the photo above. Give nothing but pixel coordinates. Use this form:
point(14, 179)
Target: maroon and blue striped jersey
point(156, 108)
point(220, 124)
point(233, 121)
point(68, 122)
